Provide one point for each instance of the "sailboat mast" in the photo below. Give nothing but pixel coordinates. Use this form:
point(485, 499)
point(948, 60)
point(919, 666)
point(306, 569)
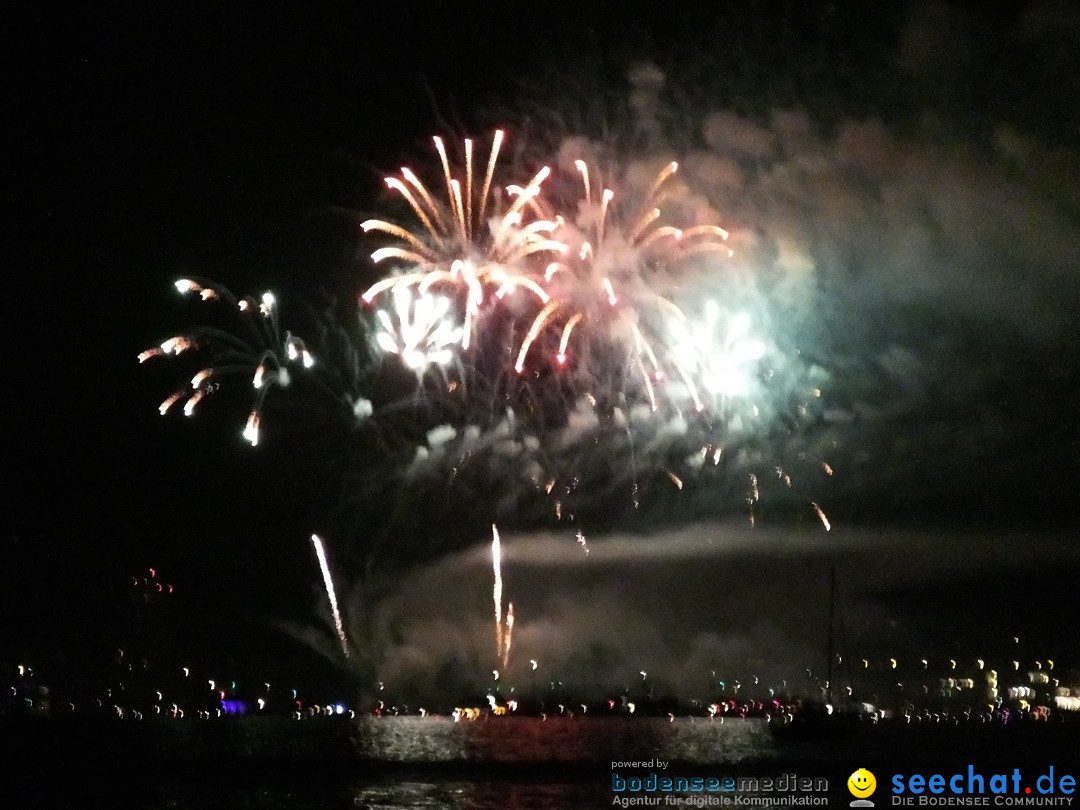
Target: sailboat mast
point(829, 691)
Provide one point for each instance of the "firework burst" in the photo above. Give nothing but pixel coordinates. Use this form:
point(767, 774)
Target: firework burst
point(418, 331)
point(610, 285)
point(614, 344)
point(256, 348)
point(477, 243)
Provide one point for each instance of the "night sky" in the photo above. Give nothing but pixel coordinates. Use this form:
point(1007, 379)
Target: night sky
point(925, 180)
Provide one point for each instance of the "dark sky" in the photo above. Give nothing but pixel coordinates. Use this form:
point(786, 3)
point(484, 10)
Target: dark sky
point(144, 143)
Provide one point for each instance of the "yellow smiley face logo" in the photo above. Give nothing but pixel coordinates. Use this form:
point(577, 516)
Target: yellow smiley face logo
point(861, 783)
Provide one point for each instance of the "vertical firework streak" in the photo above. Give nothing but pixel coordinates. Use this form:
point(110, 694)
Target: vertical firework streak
point(331, 595)
point(504, 628)
point(496, 567)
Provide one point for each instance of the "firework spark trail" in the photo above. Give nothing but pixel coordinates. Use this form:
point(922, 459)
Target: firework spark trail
point(508, 636)
point(821, 515)
point(331, 595)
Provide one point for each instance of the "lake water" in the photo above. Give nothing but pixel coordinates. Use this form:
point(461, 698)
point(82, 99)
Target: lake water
point(567, 740)
point(514, 763)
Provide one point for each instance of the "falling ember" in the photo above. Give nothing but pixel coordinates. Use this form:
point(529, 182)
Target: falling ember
point(268, 304)
point(163, 408)
point(189, 406)
point(755, 492)
point(611, 297)
point(674, 478)
point(583, 542)
point(329, 584)
point(176, 345)
point(821, 514)
point(251, 429)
